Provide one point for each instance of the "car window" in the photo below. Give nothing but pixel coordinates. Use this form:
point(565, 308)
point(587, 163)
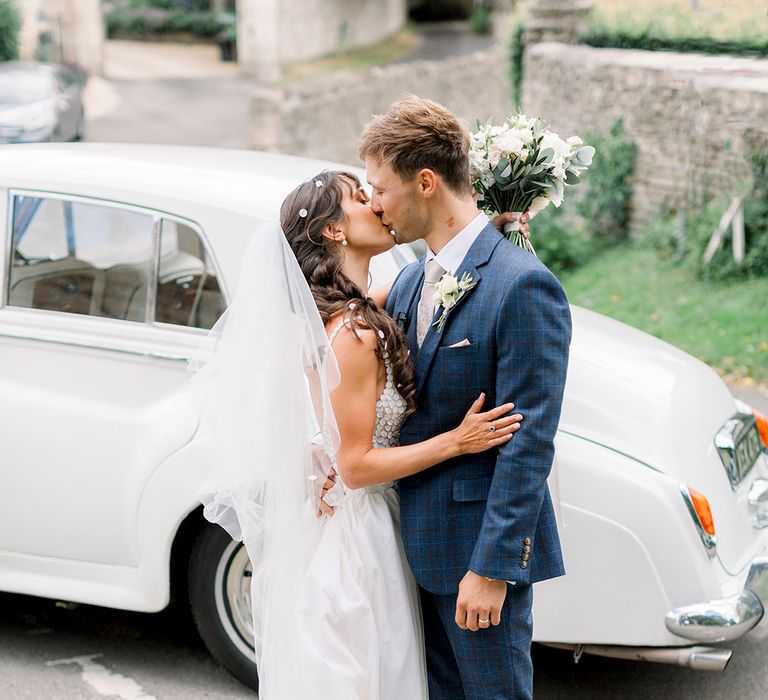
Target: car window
point(188, 292)
point(78, 257)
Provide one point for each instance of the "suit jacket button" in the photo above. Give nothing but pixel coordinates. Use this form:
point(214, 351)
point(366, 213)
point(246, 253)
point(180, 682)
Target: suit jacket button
point(525, 556)
point(523, 564)
point(527, 540)
point(527, 548)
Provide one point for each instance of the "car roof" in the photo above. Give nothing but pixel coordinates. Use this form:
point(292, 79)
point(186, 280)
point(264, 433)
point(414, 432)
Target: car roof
point(252, 182)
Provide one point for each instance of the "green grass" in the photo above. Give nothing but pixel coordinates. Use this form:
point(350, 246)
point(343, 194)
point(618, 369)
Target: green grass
point(726, 326)
point(395, 47)
point(723, 20)
point(707, 26)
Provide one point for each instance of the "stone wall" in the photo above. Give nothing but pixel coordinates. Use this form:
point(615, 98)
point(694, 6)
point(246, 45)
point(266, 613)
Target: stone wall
point(275, 32)
point(695, 119)
point(323, 118)
point(75, 26)
point(309, 28)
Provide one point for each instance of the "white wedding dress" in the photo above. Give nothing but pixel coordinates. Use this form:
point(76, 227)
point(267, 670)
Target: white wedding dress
point(335, 608)
point(364, 620)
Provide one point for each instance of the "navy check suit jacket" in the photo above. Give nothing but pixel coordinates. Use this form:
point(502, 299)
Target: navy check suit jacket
point(484, 512)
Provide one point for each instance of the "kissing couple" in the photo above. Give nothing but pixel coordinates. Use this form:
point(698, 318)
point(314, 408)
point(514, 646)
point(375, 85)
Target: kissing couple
point(395, 526)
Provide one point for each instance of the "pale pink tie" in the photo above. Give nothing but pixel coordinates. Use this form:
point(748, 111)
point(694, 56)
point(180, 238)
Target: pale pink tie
point(432, 274)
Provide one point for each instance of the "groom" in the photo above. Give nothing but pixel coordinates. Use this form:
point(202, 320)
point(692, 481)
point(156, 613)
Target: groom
point(478, 529)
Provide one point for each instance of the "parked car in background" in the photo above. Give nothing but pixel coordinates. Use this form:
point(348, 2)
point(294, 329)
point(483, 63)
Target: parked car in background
point(116, 261)
point(40, 102)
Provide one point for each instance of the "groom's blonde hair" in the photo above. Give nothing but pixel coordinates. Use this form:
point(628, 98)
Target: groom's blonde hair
point(417, 133)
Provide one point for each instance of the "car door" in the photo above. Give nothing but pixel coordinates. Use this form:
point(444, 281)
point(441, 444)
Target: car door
point(101, 304)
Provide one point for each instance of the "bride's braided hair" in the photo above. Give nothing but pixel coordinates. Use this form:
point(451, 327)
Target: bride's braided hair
point(304, 215)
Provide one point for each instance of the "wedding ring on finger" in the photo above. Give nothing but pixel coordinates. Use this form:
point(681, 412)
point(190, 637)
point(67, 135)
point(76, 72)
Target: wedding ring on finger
point(491, 428)
point(483, 622)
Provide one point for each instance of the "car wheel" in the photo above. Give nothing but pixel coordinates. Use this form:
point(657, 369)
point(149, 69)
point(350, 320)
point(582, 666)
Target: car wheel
point(220, 597)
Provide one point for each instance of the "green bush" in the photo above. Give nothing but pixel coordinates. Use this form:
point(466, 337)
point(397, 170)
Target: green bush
point(142, 20)
point(593, 215)
point(193, 5)
point(559, 238)
point(643, 39)
point(607, 206)
point(683, 236)
point(480, 20)
point(516, 51)
point(10, 24)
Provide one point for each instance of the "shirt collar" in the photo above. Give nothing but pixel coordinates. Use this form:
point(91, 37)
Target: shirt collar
point(453, 253)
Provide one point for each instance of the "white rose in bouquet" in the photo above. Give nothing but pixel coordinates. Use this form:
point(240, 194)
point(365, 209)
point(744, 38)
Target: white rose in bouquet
point(522, 166)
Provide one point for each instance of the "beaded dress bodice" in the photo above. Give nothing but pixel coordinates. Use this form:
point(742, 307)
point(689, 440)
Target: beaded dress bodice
point(390, 412)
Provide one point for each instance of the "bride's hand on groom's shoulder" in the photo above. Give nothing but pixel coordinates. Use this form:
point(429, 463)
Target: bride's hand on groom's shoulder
point(509, 217)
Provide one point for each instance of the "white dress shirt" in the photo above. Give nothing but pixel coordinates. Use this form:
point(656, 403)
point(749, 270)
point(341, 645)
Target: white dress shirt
point(453, 253)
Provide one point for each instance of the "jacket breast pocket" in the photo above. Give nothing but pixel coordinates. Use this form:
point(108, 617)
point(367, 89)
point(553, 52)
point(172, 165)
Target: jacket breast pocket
point(461, 362)
point(474, 489)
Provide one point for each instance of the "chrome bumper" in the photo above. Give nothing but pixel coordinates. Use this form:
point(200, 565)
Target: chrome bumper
point(725, 619)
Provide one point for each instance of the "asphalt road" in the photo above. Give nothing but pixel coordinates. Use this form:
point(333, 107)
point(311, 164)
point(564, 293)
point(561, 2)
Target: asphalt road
point(49, 653)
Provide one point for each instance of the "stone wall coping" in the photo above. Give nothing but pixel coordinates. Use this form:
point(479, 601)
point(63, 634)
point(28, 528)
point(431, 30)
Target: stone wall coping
point(701, 70)
point(341, 79)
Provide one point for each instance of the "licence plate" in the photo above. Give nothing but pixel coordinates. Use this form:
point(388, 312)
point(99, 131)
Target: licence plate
point(739, 445)
point(748, 449)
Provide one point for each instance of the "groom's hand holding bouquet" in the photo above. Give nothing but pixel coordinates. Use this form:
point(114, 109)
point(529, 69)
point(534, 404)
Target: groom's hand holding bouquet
point(519, 167)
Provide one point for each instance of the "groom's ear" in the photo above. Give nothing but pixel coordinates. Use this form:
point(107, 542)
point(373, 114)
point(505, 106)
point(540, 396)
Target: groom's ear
point(426, 181)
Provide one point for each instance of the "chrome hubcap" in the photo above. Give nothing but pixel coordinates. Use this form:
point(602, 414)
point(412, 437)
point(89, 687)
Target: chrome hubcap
point(233, 596)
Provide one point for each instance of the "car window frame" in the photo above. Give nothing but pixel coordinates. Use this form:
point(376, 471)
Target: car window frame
point(157, 216)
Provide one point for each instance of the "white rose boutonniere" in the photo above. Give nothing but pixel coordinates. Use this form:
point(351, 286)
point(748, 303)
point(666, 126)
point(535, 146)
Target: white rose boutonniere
point(448, 291)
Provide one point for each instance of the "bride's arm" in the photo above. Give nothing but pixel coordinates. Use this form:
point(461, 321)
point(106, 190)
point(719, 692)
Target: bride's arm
point(354, 405)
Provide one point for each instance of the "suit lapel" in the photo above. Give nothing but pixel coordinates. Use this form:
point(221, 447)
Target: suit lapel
point(477, 256)
point(408, 300)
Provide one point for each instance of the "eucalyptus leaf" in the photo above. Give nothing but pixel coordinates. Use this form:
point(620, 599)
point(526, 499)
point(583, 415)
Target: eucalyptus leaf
point(585, 154)
point(572, 179)
point(501, 166)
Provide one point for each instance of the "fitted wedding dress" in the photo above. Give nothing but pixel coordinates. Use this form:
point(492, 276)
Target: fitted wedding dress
point(363, 623)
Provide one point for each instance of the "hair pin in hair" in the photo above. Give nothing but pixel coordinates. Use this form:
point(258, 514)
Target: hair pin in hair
point(352, 306)
point(381, 334)
point(318, 183)
point(303, 213)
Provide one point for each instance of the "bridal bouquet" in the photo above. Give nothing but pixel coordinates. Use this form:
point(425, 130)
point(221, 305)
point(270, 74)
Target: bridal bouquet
point(522, 166)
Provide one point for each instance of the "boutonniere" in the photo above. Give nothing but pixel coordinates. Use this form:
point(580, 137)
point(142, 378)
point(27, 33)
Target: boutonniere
point(448, 291)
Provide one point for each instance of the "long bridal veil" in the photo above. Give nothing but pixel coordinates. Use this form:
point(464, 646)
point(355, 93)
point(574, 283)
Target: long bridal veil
point(266, 370)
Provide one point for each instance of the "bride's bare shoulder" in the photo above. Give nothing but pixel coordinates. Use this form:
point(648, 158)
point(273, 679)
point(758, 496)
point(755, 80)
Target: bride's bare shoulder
point(345, 337)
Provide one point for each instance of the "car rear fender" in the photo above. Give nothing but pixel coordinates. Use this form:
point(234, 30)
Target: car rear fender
point(168, 498)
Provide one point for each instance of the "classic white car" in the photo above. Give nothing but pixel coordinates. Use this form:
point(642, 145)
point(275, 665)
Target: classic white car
point(116, 261)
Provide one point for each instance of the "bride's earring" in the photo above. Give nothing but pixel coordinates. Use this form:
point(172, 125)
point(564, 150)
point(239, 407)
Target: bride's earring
point(344, 241)
point(343, 237)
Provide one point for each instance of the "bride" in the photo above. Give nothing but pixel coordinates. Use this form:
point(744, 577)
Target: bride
point(335, 607)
